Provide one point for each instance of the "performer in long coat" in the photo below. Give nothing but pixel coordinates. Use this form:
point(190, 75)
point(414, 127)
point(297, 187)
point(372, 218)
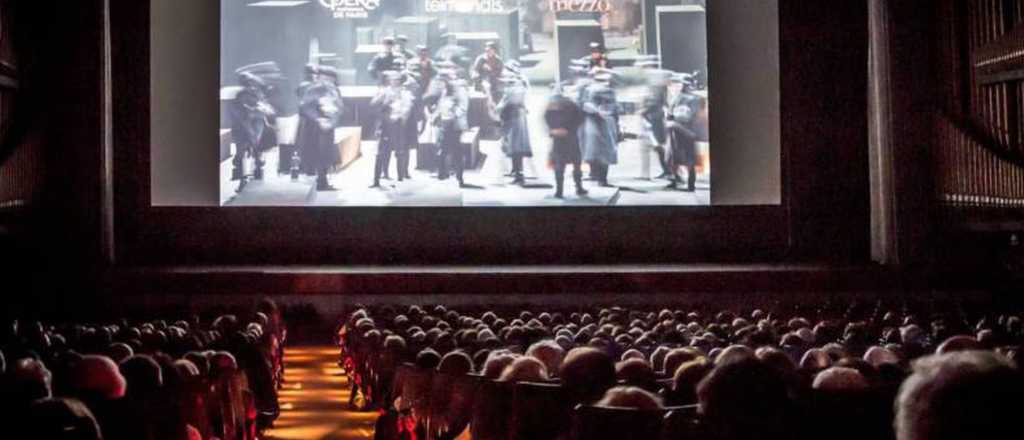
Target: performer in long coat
point(653, 130)
point(451, 121)
point(564, 119)
point(421, 73)
point(321, 108)
point(600, 129)
point(515, 132)
point(250, 124)
point(307, 125)
point(683, 137)
point(393, 104)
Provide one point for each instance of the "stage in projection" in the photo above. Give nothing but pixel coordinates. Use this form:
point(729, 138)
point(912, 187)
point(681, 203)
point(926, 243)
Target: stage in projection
point(476, 103)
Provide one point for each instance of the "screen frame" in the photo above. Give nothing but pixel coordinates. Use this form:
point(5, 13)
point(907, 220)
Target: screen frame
point(148, 235)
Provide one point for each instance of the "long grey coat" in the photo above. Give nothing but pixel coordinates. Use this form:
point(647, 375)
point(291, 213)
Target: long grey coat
point(515, 131)
point(600, 131)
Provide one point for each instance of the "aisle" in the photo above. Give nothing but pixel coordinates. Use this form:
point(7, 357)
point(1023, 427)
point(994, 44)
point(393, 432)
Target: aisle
point(314, 401)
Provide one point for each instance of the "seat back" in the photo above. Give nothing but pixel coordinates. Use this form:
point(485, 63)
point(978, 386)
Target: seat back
point(492, 406)
point(682, 423)
point(451, 408)
point(852, 415)
point(415, 390)
point(540, 411)
point(603, 423)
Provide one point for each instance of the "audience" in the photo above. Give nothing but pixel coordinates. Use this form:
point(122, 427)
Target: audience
point(755, 375)
point(144, 380)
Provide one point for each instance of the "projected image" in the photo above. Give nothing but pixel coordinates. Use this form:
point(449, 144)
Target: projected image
point(475, 103)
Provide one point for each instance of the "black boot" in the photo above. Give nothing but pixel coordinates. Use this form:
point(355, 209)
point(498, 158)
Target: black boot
point(378, 166)
point(403, 166)
point(577, 176)
point(386, 167)
point(321, 181)
point(665, 174)
point(257, 174)
point(603, 177)
point(559, 184)
point(237, 173)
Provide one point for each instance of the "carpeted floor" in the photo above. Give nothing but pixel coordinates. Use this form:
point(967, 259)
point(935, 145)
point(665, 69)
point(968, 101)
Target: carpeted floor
point(314, 401)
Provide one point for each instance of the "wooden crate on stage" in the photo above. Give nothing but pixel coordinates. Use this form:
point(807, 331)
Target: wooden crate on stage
point(348, 141)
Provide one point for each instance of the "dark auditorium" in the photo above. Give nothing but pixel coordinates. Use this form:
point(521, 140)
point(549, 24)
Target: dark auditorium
point(511, 219)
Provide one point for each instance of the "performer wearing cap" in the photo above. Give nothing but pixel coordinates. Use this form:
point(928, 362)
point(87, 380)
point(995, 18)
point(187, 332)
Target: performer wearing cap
point(320, 113)
point(601, 128)
point(384, 61)
point(400, 47)
point(421, 73)
point(598, 57)
point(653, 113)
point(393, 104)
point(487, 71)
point(515, 133)
point(683, 134)
point(400, 66)
point(309, 73)
point(564, 119)
point(306, 124)
point(250, 125)
point(450, 119)
point(453, 52)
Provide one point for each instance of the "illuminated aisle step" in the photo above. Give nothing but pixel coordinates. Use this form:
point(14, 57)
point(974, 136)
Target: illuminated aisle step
point(314, 401)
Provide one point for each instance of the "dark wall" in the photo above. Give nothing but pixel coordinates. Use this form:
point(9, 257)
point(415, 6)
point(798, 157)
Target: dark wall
point(824, 55)
point(60, 242)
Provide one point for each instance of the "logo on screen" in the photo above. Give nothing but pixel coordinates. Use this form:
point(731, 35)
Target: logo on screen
point(602, 6)
point(465, 6)
point(351, 8)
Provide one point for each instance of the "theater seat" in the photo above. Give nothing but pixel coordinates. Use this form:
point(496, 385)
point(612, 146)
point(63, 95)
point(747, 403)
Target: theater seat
point(452, 400)
point(491, 411)
point(682, 423)
point(540, 411)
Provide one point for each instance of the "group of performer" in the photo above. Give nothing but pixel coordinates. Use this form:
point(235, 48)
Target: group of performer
point(423, 89)
point(417, 88)
point(583, 118)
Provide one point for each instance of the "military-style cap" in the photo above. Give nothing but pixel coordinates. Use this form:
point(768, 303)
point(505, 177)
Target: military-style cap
point(595, 46)
point(491, 44)
point(249, 79)
point(421, 48)
point(388, 40)
point(311, 69)
point(401, 38)
point(328, 71)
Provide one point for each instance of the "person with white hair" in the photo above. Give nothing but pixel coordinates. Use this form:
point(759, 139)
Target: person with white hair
point(524, 369)
point(963, 395)
point(549, 353)
point(840, 379)
point(630, 397)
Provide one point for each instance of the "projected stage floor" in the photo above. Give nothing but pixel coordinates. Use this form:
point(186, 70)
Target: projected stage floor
point(490, 187)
